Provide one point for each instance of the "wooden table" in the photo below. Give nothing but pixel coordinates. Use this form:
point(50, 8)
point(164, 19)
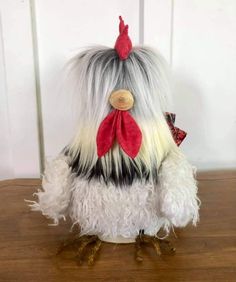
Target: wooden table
point(206, 253)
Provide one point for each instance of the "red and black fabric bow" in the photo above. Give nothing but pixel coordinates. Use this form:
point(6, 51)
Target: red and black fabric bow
point(177, 133)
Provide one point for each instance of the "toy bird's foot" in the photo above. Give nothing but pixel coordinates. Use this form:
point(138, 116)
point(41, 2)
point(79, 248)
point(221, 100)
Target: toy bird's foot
point(86, 242)
point(161, 246)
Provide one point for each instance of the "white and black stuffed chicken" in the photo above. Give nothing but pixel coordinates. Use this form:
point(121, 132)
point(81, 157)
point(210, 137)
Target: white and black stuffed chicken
point(123, 174)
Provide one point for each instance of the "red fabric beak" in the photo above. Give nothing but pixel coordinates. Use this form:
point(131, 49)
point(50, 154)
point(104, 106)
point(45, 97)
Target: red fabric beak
point(121, 126)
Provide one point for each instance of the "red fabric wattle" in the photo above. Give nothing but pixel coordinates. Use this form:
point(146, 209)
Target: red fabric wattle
point(120, 126)
point(123, 44)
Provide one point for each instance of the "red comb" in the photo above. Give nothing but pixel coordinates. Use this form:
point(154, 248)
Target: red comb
point(123, 44)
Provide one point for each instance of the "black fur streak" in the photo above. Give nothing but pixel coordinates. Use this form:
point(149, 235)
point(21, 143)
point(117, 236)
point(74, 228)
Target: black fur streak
point(125, 177)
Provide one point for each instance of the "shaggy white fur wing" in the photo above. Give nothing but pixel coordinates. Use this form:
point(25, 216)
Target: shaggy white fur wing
point(54, 198)
point(178, 190)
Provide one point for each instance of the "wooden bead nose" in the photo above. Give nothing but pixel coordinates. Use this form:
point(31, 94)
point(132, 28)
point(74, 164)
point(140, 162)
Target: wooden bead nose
point(121, 100)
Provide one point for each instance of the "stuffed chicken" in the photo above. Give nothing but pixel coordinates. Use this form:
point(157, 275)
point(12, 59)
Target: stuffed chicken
point(122, 178)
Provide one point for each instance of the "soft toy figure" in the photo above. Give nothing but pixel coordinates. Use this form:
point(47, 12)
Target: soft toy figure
point(122, 178)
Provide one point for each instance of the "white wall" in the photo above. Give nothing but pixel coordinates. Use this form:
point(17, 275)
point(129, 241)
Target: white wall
point(196, 37)
point(19, 153)
point(204, 62)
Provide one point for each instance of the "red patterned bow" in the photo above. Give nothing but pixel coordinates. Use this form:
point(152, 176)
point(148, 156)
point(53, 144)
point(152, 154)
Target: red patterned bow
point(178, 134)
point(121, 126)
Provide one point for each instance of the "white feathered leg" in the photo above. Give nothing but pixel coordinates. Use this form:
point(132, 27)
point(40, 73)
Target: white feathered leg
point(54, 198)
point(178, 190)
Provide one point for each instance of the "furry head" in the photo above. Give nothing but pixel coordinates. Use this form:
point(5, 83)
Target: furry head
point(99, 72)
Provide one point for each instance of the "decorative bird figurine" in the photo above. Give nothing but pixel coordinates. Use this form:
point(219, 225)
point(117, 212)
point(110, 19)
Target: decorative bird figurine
point(122, 178)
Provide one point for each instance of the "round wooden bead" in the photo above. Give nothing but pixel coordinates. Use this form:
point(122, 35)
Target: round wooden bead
point(121, 99)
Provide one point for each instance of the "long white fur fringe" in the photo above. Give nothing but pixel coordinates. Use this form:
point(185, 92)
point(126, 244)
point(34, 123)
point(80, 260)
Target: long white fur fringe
point(54, 198)
point(110, 211)
point(178, 190)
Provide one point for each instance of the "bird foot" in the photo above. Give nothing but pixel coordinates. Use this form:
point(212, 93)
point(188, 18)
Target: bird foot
point(161, 246)
point(86, 242)
point(92, 245)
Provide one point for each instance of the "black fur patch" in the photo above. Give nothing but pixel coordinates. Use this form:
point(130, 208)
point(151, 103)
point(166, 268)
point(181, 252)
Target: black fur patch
point(126, 176)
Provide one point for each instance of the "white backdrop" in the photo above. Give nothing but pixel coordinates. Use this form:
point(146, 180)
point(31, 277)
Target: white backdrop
point(37, 37)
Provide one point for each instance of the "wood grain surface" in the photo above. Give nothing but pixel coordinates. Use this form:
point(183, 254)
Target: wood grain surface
point(206, 253)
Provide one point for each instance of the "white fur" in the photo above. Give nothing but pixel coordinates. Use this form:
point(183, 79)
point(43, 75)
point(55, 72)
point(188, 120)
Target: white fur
point(110, 211)
point(54, 199)
point(120, 211)
point(178, 190)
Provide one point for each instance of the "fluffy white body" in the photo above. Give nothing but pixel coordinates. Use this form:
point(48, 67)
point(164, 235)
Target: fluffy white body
point(119, 213)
